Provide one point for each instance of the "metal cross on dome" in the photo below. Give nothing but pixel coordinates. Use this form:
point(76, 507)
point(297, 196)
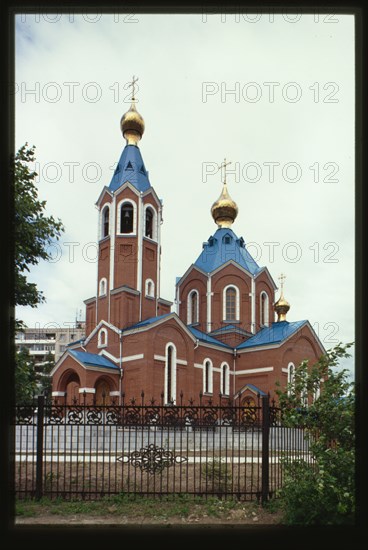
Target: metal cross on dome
point(132, 84)
point(282, 279)
point(223, 166)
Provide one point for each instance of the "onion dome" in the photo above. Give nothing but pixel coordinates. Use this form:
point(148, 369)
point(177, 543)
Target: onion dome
point(282, 306)
point(224, 210)
point(132, 125)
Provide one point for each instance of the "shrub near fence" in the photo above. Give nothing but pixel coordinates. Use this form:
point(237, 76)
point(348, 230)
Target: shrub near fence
point(88, 452)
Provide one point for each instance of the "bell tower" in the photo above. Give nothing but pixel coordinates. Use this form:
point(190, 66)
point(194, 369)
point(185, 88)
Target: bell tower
point(129, 238)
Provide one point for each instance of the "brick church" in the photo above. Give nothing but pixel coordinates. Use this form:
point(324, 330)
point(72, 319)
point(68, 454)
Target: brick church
point(228, 340)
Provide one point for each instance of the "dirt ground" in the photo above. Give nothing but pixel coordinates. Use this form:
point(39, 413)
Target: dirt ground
point(231, 518)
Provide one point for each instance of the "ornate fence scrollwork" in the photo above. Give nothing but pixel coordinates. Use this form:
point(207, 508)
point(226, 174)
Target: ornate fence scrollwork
point(54, 415)
point(75, 415)
point(24, 415)
point(152, 459)
point(249, 416)
point(113, 415)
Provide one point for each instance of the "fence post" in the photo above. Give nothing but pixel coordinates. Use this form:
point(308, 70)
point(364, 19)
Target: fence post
point(265, 448)
point(39, 455)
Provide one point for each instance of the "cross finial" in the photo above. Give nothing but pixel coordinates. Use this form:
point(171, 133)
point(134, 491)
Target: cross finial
point(282, 279)
point(223, 166)
point(132, 84)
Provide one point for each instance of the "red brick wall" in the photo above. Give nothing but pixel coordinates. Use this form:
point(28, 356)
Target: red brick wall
point(198, 281)
point(90, 317)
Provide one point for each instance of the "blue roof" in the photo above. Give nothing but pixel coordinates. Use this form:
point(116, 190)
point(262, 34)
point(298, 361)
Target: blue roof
point(92, 359)
point(75, 342)
point(130, 168)
point(275, 334)
point(228, 328)
point(254, 388)
point(146, 322)
point(204, 337)
point(218, 250)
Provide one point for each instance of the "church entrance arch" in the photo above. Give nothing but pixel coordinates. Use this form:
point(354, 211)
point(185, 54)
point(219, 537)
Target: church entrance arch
point(72, 385)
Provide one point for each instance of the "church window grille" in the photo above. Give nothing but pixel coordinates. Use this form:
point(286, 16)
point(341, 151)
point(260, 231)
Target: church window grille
point(231, 304)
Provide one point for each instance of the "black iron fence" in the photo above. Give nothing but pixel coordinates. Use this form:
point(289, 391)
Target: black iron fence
point(84, 451)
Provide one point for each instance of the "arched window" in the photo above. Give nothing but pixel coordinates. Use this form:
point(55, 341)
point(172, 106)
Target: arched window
point(102, 338)
point(127, 218)
point(105, 229)
point(290, 376)
point(149, 223)
point(102, 291)
point(193, 307)
point(150, 288)
point(225, 379)
point(231, 303)
point(208, 376)
point(170, 374)
point(264, 309)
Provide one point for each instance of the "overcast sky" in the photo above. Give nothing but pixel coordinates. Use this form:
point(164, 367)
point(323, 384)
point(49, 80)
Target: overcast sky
point(272, 94)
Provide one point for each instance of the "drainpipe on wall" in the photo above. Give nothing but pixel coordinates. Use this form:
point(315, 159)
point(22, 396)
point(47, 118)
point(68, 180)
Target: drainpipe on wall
point(234, 368)
point(120, 363)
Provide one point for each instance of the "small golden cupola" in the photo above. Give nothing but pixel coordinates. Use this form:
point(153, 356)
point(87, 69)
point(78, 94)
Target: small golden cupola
point(224, 210)
point(282, 306)
point(132, 123)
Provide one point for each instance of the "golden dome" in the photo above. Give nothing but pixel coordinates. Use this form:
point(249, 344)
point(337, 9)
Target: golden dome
point(132, 125)
point(224, 210)
point(282, 306)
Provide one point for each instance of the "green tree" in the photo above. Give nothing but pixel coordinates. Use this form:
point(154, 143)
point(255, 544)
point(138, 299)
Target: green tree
point(33, 231)
point(25, 377)
point(320, 399)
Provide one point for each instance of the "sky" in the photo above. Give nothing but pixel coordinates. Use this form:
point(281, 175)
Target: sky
point(273, 94)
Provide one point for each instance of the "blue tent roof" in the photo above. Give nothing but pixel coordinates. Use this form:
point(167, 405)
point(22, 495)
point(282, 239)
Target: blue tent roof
point(223, 246)
point(92, 359)
point(276, 333)
point(146, 322)
point(130, 168)
point(203, 337)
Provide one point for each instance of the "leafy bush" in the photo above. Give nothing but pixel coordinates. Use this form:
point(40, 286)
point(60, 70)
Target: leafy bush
point(217, 473)
point(322, 491)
